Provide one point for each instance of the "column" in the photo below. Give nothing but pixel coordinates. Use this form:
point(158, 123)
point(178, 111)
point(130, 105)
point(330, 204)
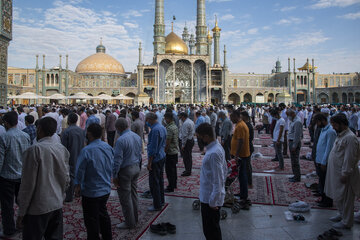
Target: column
point(158, 84)
point(207, 84)
point(308, 82)
point(67, 76)
point(37, 75)
point(295, 84)
point(159, 28)
point(314, 86)
point(43, 77)
point(192, 83)
point(174, 68)
point(201, 48)
point(289, 76)
point(60, 76)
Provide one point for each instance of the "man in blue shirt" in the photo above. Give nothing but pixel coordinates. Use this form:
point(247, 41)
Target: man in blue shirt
point(156, 160)
point(30, 128)
point(12, 146)
point(91, 118)
point(128, 148)
point(324, 145)
point(200, 119)
point(93, 183)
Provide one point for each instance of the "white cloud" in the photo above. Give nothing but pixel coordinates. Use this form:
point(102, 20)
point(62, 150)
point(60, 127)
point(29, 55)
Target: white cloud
point(132, 13)
point(131, 25)
point(306, 39)
point(351, 16)
point(219, 1)
point(286, 9)
point(227, 17)
point(253, 31)
point(333, 3)
point(266, 28)
point(289, 21)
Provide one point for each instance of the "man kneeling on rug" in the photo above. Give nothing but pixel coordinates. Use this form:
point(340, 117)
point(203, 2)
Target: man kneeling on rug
point(212, 182)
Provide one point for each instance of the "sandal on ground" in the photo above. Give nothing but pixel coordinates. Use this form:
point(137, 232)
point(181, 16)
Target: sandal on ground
point(334, 232)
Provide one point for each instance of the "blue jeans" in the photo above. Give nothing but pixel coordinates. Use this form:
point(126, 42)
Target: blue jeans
point(156, 183)
point(243, 180)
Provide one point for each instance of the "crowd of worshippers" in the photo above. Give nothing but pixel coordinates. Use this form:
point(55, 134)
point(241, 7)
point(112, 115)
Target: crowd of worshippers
point(51, 151)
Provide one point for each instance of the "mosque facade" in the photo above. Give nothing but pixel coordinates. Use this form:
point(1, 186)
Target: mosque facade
point(186, 69)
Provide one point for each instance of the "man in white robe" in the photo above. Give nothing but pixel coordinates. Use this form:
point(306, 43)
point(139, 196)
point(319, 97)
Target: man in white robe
point(343, 179)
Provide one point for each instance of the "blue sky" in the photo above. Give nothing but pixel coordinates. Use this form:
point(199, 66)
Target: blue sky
point(256, 32)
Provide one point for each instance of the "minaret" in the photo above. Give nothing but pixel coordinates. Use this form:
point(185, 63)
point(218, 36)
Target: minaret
point(186, 35)
point(225, 65)
point(159, 28)
point(140, 54)
point(313, 82)
point(60, 76)
point(43, 77)
point(289, 80)
point(37, 75)
point(201, 41)
point(192, 44)
point(216, 30)
point(308, 81)
point(278, 66)
point(67, 77)
point(295, 84)
point(209, 38)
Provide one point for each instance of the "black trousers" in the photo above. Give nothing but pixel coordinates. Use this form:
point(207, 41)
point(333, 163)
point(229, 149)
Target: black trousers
point(156, 183)
point(227, 147)
point(110, 138)
point(47, 226)
point(322, 177)
point(170, 169)
point(187, 155)
point(201, 144)
point(9, 190)
point(96, 218)
point(210, 222)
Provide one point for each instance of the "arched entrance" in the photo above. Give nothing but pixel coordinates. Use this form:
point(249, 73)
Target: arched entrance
point(344, 98)
point(132, 95)
point(323, 98)
point(200, 81)
point(351, 98)
point(234, 99)
point(260, 98)
point(247, 98)
point(182, 82)
point(357, 97)
point(165, 80)
point(270, 98)
point(335, 98)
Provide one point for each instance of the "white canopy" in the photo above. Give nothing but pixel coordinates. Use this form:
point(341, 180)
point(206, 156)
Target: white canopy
point(80, 95)
point(56, 96)
point(104, 97)
point(27, 95)
point(122, 97)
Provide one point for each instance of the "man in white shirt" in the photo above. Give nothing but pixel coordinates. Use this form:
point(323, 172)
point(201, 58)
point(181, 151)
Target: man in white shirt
point(286, 128)
point(278, 137)
point(212, 182)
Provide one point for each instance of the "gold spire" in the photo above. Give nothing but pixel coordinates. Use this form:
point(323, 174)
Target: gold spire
point(216, 28)
point(172, 26)
point(209, 34)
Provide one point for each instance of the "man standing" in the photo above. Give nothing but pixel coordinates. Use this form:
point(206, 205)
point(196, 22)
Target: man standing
point(324, 145)
point(278, 137)
point(83, 117)
point(73, 138)
point(91, 118)
point(45, 177)
point(353, 121)
point(294, 136)
point(200, 119)
point(110, 127)
point(137, 125)
point(156, 160)
point(186, 136)
point(246, 118)
point(212, 182)
point(282, 106)
point(171, 150)
point(240, 149)
point(93, 183)
point(12, 146)
point(30, 128)
point(213, 119)
point(343, 179)
point(225, 134)
point(127, 157)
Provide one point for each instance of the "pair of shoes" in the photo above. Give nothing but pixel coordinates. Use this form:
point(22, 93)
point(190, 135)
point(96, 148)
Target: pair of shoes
point(336, 218)
point(274, 160)
point(244, 204)
point(122, 225)
point(153, 209)
point(279, 169)
point(325, 205)
point(168, 190)
point(340, 225)
point(158, 229)
point(293, 180)
point(186, 174)
point(146, 194)
point(170, 228)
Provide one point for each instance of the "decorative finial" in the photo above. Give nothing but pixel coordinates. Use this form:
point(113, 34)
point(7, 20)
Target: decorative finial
point(172, 26)
point(101, 43)
point(216, 21)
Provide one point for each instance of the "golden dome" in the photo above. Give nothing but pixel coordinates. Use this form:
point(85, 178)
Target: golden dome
point(100, 62)
point(284, 95)
point(306, 67)
point(175, 45)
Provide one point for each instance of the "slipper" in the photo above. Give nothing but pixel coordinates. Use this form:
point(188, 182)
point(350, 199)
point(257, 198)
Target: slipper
point(334, 232)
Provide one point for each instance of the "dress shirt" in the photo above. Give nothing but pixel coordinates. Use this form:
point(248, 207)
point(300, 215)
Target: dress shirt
point(284, 116)
point(12, 146)
point(187, 131)
point(138, 127)
point(213, 175)
point(353, 121)
point(199, 121)
point(308, 120)
point(91, 120)
point(325, 143)
point(160, 116)
point(156, 142)
point(2, 130)
point(94, 168)
point(295, 130)
point(45, 178)
point(31, 130)
point(173, 137)
point(279, 122)
point(21, 117)
point(83, 118)
point(110, 123)
point(127, 151)
point(226, 129)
